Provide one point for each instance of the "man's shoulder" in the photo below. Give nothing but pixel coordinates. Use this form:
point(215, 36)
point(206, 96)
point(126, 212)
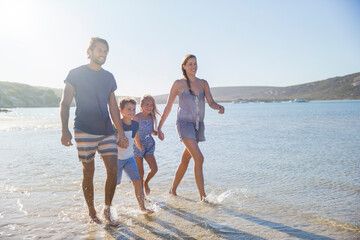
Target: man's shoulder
point(106, 71)
point(79, 69)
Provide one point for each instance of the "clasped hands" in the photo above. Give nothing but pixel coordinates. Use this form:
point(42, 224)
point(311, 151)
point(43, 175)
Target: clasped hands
point(122, 141)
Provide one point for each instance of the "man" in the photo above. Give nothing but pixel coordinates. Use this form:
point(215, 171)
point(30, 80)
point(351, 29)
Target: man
point(93, 89)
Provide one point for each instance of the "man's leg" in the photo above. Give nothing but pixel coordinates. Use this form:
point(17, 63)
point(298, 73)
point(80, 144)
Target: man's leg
point(111, 165)
point(88, 188)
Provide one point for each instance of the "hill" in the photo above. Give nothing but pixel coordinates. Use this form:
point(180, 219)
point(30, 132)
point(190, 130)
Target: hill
point(22, 95)
point(337, 88)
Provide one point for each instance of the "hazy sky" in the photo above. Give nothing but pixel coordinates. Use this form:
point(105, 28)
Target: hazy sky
point(237, 42)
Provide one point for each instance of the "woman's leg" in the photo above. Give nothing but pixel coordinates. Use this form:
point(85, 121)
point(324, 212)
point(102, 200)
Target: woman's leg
point(150, 159)
point(193, 147)
point(180, 172)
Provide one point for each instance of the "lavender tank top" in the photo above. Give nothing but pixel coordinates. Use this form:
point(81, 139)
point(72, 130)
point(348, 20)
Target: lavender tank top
point(191, 108)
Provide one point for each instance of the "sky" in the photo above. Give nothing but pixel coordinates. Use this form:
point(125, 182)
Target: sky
point(237, 42)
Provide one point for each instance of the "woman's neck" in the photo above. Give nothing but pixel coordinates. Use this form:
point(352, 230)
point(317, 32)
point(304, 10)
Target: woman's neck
point(192, 78)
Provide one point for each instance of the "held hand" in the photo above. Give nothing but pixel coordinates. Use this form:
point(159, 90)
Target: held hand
point(122, 141)
point(160, 135)
point(154, 133)
point(221, 110)
point(66, 138)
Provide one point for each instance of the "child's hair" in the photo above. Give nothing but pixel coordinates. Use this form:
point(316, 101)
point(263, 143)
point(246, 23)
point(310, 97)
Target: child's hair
point(126, 100)
point(155, 110)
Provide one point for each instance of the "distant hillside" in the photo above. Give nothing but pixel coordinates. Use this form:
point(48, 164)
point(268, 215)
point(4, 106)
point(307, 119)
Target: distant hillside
point(22, 95)
point(337, 88)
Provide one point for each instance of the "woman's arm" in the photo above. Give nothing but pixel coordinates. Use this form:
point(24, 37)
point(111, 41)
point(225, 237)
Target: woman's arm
point(210, 99)
point(174, 92)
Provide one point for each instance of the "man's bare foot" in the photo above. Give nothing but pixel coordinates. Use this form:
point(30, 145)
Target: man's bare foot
point(172, 192)
point(147, 188)
point(95, 219)
point(147, 211)
point(107, 216)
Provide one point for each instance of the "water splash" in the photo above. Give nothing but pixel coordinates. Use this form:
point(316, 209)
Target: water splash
point(216, 198)
point(21, 206)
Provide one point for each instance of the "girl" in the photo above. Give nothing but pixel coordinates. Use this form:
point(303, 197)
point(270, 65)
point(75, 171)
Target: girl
point(147, 125)
point(192, 92)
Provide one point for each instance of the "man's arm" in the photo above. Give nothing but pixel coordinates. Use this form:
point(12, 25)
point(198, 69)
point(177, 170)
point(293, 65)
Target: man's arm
point(115, 116)
point(65, 103)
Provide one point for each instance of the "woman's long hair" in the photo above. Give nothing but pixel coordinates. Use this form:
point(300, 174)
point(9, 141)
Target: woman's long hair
point(184, 61)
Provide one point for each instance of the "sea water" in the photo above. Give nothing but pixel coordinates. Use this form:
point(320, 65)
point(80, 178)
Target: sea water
point(272, 171)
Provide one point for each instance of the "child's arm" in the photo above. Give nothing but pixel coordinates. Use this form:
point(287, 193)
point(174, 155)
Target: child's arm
point(138, 143)
point(210, 99)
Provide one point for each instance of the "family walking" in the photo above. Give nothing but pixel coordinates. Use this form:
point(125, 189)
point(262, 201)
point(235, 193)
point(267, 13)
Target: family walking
point(124, 142)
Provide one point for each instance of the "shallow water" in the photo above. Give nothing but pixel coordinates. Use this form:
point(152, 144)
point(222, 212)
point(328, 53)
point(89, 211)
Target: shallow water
point(272, 171)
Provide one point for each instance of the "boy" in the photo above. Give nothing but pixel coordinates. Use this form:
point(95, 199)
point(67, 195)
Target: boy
point(126, 159)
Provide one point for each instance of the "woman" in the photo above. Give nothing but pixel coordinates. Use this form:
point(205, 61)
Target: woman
point(192, 92)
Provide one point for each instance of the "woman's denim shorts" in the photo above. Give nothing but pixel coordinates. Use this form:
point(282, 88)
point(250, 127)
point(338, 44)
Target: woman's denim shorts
point(187, 130)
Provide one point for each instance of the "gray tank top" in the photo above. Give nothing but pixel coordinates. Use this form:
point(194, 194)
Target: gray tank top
point(191, 108)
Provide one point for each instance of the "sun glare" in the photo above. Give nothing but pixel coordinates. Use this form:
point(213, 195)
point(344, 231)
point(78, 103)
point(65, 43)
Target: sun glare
point(18, 18)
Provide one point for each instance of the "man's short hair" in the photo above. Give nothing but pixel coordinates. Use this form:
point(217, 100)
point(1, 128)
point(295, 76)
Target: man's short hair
point(93, 42)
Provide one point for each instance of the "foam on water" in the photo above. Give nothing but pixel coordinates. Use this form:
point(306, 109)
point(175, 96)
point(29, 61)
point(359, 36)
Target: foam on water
point(232, 194)
point(21, 207)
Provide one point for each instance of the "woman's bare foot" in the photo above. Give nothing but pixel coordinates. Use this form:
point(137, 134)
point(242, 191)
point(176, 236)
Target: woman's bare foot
point(95, 219)
point(204, 199)
point(172, 192)
point(147, 188)
point(147, 211)
point(108, 218)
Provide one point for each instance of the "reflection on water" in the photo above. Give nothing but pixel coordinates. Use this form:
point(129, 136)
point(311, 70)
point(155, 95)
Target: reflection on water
point(272, 171)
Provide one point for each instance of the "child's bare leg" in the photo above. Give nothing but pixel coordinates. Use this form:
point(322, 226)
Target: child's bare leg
point(180, 172)
point(140, 196)
point(140, 166)
point(150, 159)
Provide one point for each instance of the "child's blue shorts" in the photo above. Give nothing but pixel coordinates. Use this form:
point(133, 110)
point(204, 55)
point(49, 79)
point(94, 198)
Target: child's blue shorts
point(131, 170)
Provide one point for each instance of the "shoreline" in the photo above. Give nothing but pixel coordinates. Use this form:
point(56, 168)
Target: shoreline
point(7, 109)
